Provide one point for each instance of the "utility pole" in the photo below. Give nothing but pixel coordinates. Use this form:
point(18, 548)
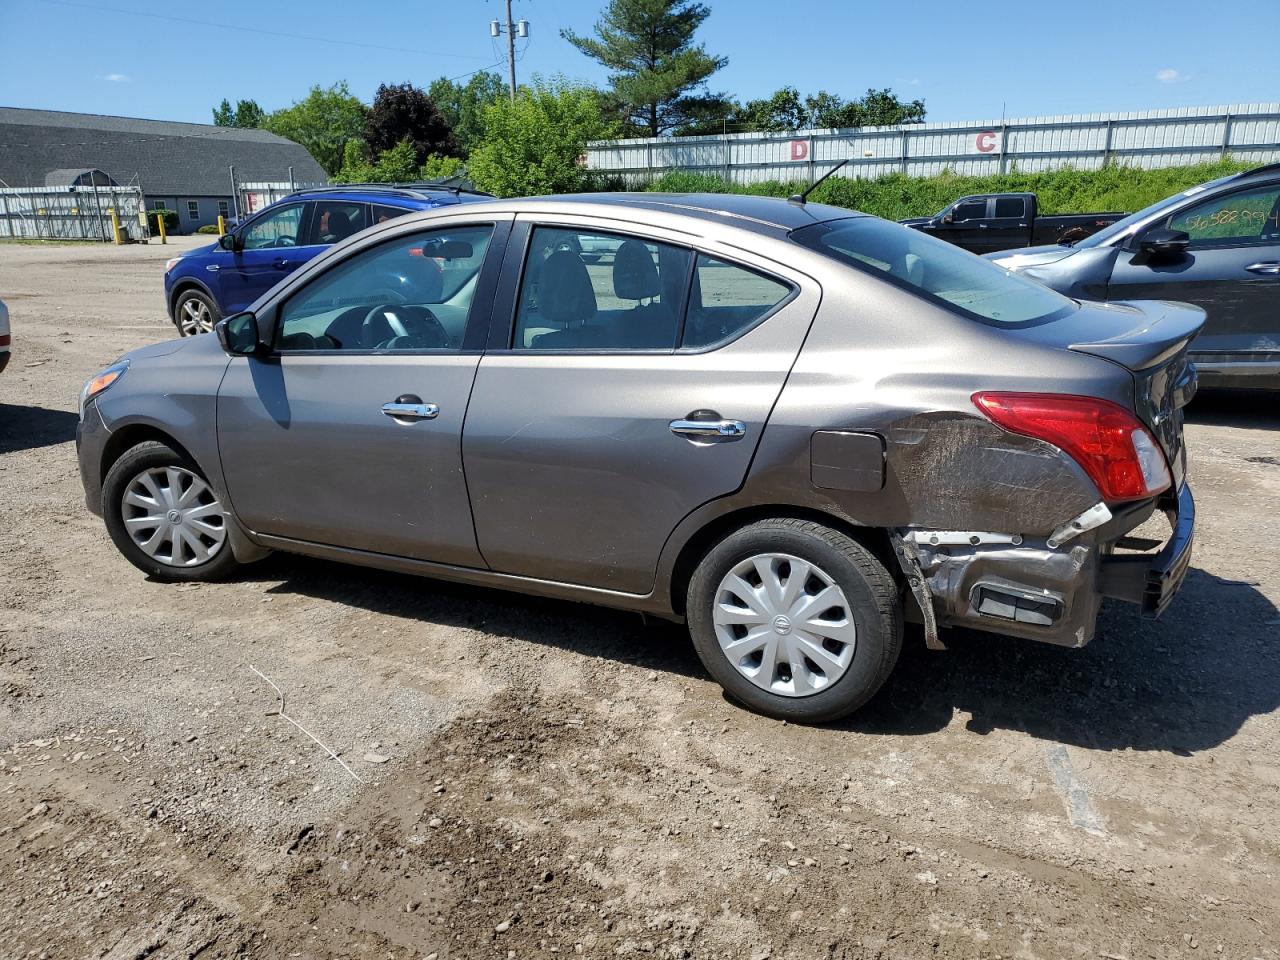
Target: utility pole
point(512, 29)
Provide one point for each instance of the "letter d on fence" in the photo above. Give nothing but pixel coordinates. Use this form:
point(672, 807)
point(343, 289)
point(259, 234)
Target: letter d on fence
point(799, 149)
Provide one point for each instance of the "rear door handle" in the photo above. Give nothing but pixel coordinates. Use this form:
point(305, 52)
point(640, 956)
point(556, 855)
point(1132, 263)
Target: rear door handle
point(1270, 267)
point(709, 429)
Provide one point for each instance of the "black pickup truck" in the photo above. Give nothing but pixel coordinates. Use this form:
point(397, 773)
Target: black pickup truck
point(1002, 221)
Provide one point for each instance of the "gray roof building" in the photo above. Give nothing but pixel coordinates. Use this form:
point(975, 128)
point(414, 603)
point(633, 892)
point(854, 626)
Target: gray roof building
point(50, 147)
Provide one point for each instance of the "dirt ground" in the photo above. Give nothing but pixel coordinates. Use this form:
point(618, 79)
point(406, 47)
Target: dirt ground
point(563, 781)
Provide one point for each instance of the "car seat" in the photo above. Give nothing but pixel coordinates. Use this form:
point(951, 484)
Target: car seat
point(635, 277)
point(565, 297)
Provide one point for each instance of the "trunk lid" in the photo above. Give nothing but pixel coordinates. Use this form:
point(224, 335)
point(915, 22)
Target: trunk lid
point(1150, 339)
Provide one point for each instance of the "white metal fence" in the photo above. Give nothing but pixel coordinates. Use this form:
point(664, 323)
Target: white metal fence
point(1153, 138)
point(70, 213)
point(253, 195)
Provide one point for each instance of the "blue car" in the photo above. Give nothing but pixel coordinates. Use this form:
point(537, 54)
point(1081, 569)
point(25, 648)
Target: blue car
point(209, 283)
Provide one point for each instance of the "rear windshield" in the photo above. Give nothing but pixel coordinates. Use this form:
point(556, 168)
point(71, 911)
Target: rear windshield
point(936, 270)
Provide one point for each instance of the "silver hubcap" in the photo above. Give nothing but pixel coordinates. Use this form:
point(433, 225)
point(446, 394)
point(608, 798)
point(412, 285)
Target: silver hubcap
point(194, 317)
point(784, 624)
point(173, 517)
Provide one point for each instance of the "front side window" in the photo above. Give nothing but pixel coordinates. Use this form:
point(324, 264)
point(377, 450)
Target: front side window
point(277, 228)
point(970, 210)
point(1237, 219)
point(584, 290)
point(333, 221)
point(935, 269)
point(413, 293)
point(725, 300)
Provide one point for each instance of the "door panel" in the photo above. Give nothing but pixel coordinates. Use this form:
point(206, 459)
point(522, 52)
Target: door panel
point(574, 471)
point(308, 453)
point(1227, 270)
point(274, 246)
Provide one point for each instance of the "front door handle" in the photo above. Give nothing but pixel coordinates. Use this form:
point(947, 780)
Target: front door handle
point(280, 263)
point(407, 408)
point(1269, 267)
point(709, 429)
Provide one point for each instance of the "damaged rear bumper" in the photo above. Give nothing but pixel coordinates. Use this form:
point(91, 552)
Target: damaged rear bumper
point(1152, 582)
point(1045, 588)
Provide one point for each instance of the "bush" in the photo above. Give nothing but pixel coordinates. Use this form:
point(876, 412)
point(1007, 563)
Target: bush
point(207, 228)
point(171, 222)
point(1118, 189)
point(533, 145)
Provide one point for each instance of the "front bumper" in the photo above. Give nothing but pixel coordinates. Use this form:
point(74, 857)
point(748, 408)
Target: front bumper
point(91, 442)
point(1153, 581)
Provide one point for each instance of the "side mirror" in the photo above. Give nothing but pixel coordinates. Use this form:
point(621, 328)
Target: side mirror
point(948, 218)
point(1164, 243)
point(228, 242)
point(240, 336)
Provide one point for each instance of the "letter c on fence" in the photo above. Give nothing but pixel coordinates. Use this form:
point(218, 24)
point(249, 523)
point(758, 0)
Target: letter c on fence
point(799, 149)
point(986, 141)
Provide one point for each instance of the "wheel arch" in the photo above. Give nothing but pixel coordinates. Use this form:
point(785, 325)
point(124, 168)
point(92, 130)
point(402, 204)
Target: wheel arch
point(717, 528)
point(129, 436)
point(184, 284)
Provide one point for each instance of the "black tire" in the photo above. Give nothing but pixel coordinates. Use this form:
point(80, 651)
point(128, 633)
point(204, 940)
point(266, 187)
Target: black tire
point(134, 462)
point(871, 594)
point(196, 301)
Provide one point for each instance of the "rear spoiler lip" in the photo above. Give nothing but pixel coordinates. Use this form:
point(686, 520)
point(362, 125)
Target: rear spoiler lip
point(1169, 327)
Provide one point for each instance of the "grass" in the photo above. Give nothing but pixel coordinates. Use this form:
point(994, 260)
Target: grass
point(1119, 189)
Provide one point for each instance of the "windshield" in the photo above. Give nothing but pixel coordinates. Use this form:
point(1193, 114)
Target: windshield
point(936, 270)
point(1122, 228)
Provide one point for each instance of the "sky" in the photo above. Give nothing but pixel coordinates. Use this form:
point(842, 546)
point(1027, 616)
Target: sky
point(967, 60)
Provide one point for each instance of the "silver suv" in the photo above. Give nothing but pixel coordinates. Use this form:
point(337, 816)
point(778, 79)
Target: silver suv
point(792, 426)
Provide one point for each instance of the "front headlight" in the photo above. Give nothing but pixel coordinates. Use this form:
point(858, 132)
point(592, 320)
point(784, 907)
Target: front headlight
point(171, 263)
point(101, 381)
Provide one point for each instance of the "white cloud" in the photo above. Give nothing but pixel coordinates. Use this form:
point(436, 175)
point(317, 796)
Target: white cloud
point(118, 78)
point(1170, 75)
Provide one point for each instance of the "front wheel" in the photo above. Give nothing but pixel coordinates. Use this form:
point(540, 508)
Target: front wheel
point(795, 620)
point(164, 517)
point(195, 313)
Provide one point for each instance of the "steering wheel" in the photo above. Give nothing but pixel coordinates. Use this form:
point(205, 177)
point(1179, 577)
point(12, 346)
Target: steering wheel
point(287, 242)
point(416, 336)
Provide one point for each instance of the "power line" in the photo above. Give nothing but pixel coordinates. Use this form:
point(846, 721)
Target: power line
point(241, 28)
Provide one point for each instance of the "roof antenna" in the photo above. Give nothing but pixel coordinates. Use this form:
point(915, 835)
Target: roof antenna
point(800, 198)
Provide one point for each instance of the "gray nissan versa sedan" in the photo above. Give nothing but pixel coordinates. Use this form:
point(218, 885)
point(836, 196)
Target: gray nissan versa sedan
point(792, 426)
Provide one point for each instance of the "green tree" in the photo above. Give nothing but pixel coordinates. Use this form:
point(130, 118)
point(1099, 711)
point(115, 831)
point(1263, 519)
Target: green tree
point(534, 145)
point(878, 108)
point(462, 105)
point(402, 113)
point(659, 75)
point(397, 165)
point(246, 113)
point(324, 122)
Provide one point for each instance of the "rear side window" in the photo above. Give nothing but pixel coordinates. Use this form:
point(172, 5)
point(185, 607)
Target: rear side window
point(1010, 206)
point(1237, 219)
point(381, 214)
point(335, 220)
point(935, 270)
point(583, 290)
point(725, 300)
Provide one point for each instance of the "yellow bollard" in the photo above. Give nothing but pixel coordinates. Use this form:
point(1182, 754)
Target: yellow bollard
point(164, 237)
point(115, 227)
point(222, 225)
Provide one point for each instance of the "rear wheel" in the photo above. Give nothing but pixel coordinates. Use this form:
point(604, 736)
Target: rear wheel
point(795, 620)
point(164, 517)
point(195, 313)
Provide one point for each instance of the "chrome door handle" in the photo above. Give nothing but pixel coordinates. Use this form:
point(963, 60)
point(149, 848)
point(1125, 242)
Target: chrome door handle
point(1270, 267)
point(280, 263)
point(411, 411)
point(709, 429)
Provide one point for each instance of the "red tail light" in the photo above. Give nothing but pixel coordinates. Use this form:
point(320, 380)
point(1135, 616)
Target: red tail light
point(1110, 444)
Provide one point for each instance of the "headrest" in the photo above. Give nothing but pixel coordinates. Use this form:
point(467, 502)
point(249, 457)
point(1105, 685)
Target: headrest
point(564, 289)
point(635, 276)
